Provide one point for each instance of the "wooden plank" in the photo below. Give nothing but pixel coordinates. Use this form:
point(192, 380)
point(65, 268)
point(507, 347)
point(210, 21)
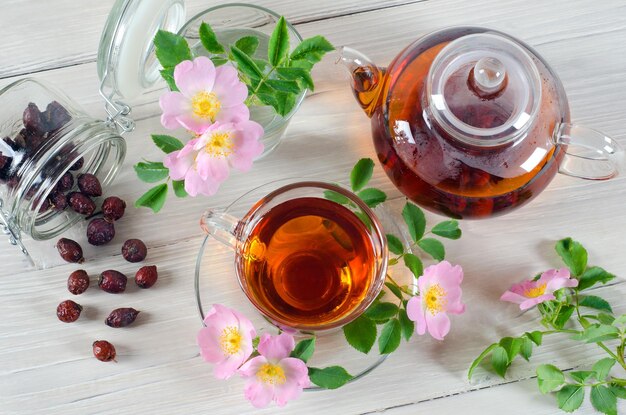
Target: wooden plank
point(55, 34)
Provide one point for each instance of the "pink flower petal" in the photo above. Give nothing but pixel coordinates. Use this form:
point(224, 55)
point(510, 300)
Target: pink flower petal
point(531, 302)
point(296, 371)
point(223, 316)
point(234, 114)
point(259, 394)
point(173, 104)
point(193, 77)
point(212, 168)
point(252, 366)
point(229, 89)
point(275, 348)
point(247, 145)
point(559, 282)
point(438, 325)
point(415, 312)
point(193, 123)
point(178, 166)
point(195, 185)
point(513, 297)
point(208, 341)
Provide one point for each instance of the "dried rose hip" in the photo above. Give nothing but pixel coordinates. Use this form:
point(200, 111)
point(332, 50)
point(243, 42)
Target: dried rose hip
point(103, 350)
point(68, 311)
point(121, 317)
point(70, 250)
point(33, 120)
point(78, 165)
point(58, 200)
point(55, 116)
point(100, 232)
point(45, 205)
point(89, 185)
point(146, 277)
point(78, 282)
point(66, 182)
point(113, 208)
point(113, 282)
point(81, 203)
point(134, 250)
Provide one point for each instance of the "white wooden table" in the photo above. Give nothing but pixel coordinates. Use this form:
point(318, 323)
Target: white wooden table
point(46, 367)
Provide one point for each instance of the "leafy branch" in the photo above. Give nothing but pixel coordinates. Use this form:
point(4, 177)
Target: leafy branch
point(589, 319)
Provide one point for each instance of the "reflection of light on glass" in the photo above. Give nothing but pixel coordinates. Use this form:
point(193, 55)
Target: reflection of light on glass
point(521, 121)
point(439, 102)
point(402, 129)
point(534, 159)
point(426, 118)
point(609, 149)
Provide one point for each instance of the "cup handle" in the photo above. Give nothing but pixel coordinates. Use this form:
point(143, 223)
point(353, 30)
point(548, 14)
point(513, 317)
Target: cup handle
point(221, 226)
point(590, 154)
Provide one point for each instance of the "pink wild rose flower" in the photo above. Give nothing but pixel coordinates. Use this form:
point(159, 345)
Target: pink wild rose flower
point(440, 294)
point(205, 161)
point(207, 95)
point(274, 376)
point(530, 293)
point(226, 340)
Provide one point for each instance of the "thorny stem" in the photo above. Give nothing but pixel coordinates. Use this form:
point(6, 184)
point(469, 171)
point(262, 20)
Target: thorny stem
point(404, 290)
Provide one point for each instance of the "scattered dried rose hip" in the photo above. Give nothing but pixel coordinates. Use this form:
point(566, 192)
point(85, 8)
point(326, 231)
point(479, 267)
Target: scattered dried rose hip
point(55, 116)
point(33, 120)
point(103, 350)
point(113, 208)
point(66, 182)
point(68, 311)
point(81, 203)
point(58, 200)
point(89, 185)
point(78, 165)
point(100, 232)
point(113, 282)
point(70, 250)
point(78, 282)
point(121, 317)
point(134, 250)
point(147, 276)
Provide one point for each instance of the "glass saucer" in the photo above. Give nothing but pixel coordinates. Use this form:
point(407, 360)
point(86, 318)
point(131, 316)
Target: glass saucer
point(216, 283)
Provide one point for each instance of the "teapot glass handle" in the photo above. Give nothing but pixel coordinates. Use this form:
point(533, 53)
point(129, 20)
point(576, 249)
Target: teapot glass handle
point(590, 154)
point(220, 226)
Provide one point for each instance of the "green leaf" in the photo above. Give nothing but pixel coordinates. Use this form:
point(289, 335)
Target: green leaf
point(564, 315)
point(248, 45)
point(581, 376)
point(592, 276)
point(167, 143)
point(245, 64)
point(284, 103)
point(597, 333)
point(573, 254)
point(217, 61)
point(171, 49)
point(390, 337)
point(433, 247)
point(394, 244)
point(406, 324)
point(361, 334)
point(372, 197)
point(602, 367)
point(448, 229)
point(549, 378)
point(278, 48)
point(179, 188)
point(395, 290)
point(619, 391)
point(598, 303)
point(512, 346)
point(336, 197)
point(168, 76)
point(153, 198)
point(382, 311)
point(361, 174)
point(620, 320)
point(415, 221)
point(297, 74)
point(570, 397)
point(526, 348)
point(304, 349)
point(500, 360)
point(331, 377)
point(256, 341)
point(480, 358)
point(151, 172)
point(311, 50)
point(290, 87)
point(603, 400)
point(414, 264)
point(535, 336)
point(605, 318)
point(209, 40)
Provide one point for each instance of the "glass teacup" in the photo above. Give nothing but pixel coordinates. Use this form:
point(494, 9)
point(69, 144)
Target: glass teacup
point(310, 256)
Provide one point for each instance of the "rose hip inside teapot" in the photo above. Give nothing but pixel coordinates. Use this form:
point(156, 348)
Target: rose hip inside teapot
point(472, 123)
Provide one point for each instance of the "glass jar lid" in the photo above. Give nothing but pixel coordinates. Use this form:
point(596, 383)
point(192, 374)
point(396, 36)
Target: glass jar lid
point(127, 64)
point(484, 89)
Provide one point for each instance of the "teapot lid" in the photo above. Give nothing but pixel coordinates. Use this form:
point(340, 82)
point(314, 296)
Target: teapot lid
point(484, 89)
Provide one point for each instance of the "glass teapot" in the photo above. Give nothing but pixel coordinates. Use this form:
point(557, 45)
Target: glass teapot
point(472, 123)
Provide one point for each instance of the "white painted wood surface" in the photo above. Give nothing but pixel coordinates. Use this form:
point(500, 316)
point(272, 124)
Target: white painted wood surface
point(47, 367)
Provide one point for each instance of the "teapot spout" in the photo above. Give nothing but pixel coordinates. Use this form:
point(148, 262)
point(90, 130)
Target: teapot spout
point(367, 78)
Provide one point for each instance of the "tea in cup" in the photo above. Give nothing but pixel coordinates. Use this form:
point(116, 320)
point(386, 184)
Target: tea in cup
point(304, 261)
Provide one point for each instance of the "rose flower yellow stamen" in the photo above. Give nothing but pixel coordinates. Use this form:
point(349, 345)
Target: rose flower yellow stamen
point(206, 105)
point(271, 374)
point(231, 340)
